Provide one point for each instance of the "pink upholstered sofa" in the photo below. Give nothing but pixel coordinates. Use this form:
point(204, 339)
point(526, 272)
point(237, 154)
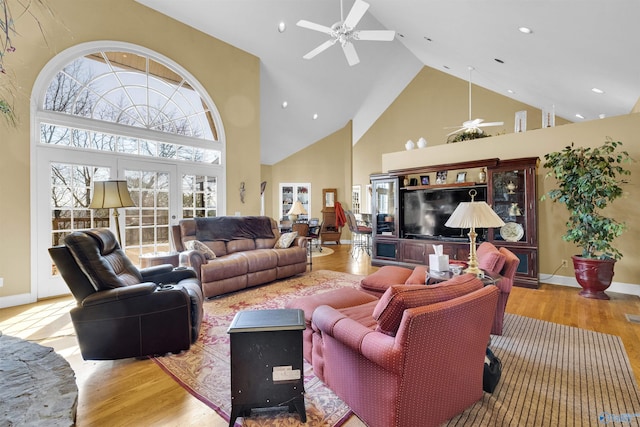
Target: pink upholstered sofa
point(412, 358)
point(245, 252)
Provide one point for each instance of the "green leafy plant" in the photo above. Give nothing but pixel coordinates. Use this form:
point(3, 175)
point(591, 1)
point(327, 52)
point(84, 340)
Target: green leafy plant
point(466, 136)
point(589, 179)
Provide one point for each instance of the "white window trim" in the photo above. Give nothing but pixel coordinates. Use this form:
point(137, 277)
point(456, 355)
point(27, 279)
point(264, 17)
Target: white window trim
point(38, 115)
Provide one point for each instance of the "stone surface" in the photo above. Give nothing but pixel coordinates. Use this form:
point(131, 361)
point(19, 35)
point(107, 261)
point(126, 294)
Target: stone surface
point(37, 385)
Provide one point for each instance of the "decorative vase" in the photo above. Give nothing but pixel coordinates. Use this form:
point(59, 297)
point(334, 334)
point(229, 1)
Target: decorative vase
point(409, 145)
point(514, 210)
point(594, 275)
point(511, 186)
point(422, 143)
point(482, 175)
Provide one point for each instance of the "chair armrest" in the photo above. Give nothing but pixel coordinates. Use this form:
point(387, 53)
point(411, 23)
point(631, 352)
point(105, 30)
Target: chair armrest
point(375, 346)
point(119, 294)
point(193, 259)
point(301, 241)
point(167, 275)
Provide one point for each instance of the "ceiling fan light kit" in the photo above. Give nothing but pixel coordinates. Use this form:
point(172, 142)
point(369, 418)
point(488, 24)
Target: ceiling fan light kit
point(344, 32)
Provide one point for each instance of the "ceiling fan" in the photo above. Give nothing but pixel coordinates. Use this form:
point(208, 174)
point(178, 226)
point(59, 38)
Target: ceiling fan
point(345, 33)
point(474, 125)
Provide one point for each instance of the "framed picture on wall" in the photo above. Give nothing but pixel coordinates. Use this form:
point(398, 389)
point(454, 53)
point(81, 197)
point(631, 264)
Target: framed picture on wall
point(441, 177)
point(462, 177)
point(424, 180)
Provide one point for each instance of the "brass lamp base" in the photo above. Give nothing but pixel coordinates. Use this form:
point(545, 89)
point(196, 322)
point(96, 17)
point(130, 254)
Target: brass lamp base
point(473, 260)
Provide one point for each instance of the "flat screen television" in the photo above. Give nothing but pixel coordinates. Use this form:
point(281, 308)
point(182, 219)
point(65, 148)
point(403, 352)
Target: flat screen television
point(426, 211)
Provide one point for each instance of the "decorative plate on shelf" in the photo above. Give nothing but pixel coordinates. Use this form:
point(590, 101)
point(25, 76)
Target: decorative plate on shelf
point(512, 232)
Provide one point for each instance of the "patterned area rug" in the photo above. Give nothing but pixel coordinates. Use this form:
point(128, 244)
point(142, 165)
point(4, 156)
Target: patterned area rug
point(205, 371)
point(553, 375)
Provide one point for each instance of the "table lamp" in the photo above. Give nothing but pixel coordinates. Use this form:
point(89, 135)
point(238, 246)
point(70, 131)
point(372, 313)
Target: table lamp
point(471, 215)
point(111, 194)
point(296, 209)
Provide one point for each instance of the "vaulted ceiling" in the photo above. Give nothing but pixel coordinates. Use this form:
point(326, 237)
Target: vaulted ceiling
point(575, 46)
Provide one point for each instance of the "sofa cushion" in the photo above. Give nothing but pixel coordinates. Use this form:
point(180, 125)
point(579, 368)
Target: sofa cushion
point(285, 240)
point(240, 245)
point(197, 245)
point(490, 258)
point(418, 277)
point(389, 310)
point(384, 277)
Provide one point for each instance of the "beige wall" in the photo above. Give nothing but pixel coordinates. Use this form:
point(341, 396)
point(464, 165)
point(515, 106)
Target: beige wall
point(430, 102)
point(551, 216)
point(325, 164)
point(230, 76)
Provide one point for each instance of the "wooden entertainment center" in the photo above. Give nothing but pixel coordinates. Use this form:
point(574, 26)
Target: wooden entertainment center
point(410, 207)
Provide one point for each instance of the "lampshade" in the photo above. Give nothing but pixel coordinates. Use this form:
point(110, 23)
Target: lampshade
point(110, 194)
point(297, 209)
point(471, 215)
point(474, 215)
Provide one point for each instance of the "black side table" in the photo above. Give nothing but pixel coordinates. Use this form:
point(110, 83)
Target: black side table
point(266, 361)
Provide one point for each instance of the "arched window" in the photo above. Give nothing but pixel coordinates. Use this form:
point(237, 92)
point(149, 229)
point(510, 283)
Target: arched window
point(107, 110)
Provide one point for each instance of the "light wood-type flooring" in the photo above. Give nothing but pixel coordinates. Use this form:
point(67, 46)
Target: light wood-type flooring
point(137, 393)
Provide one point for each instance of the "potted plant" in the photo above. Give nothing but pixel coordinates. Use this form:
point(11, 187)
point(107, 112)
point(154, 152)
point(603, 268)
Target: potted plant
point(588, 180)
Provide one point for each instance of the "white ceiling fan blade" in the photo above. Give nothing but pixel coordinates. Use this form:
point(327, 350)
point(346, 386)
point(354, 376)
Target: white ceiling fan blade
point(491, 124)
point(350, 53)
point(313, 26)
point(324, 46)
point(356, 13)
point(456, 131)
point(376, 35)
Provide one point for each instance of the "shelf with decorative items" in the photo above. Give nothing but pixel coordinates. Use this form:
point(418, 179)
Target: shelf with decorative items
point(292, 192)
point(426, 196)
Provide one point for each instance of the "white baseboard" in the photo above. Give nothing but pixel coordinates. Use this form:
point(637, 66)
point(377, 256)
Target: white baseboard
point(13, 300)
point(619, 287)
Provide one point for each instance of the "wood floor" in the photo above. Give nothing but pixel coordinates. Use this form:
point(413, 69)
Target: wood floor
point(136, 392)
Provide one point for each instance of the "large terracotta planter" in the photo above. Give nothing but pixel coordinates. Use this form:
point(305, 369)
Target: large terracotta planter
point(594, 275)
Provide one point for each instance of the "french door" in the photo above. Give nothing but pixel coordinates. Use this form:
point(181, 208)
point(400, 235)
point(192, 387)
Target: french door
point(163, 194)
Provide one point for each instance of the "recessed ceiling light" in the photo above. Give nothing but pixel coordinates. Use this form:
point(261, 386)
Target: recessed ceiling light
point(282, 27)
point(498, 60)
point(315, 116)
point(284, 104)
point(400, 34)
point(510, 91)
point(580, 116)
point(446, 67)
point(525, 30)
point(602, 115)
point(596, 90)
point(427, 39)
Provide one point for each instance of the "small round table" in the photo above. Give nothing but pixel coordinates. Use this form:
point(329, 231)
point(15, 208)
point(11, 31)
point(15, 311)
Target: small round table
point(434, 277)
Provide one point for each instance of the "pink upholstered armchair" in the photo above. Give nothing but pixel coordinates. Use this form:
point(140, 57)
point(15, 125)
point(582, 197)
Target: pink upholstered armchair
point(503, 262)
point(419, 366)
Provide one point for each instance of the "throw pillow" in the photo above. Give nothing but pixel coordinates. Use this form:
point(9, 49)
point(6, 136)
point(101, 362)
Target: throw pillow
point(398, 298)
point(385, 277)
point(490, 258)
point(197, 245)
point(418, 277)
point(285, 240)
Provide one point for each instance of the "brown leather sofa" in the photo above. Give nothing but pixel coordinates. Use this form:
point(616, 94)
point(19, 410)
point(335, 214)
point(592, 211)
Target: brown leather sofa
point(121, 311)
point(244, 252)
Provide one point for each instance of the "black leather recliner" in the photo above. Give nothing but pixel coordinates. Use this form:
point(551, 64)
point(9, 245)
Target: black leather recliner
point(123, 311)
